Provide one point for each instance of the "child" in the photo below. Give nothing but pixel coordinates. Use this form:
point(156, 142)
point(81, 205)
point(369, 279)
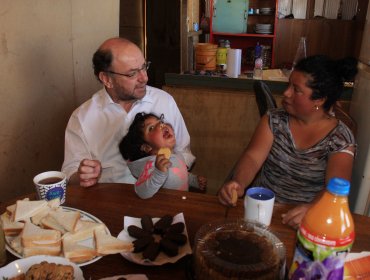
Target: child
point(146, 136)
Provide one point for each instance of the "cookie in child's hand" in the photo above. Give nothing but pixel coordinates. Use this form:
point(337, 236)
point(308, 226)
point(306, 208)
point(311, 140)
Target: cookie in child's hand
point(234, 197)
point(165, 151)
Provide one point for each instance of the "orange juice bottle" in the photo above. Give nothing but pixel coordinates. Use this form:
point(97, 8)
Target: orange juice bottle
point(325, 236)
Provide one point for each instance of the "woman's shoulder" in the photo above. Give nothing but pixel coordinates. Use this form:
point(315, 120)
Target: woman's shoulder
point(277, 113)
point(278, 119)
point(343, 132)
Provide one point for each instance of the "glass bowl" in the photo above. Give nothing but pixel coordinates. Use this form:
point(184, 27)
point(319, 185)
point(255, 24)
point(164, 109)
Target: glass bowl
point(236, 249)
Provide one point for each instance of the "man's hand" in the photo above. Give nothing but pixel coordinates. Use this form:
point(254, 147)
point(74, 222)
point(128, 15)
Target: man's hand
point(89, 172)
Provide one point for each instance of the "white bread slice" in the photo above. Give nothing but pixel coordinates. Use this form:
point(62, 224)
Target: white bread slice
point(106, 244)
point(10, 228)
point(77, 253)
point(67, 219)
point(36, 219)
point(16, 245)
point(54, 203)
point(32, 251)
point(11, 208)
point(49, 222)
point(34, 236)
point(84, 230)
point(26, 209)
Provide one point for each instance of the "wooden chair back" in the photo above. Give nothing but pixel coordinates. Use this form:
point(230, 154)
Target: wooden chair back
point(342, 115)
point(264, 97)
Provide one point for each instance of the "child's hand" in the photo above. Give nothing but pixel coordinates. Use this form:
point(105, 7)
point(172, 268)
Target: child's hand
point(202, 182)
point(162, 163)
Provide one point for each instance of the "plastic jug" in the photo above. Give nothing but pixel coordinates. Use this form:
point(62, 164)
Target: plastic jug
point(325, 235)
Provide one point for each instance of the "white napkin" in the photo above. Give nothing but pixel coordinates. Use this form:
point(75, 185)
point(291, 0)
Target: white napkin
point(162, 258)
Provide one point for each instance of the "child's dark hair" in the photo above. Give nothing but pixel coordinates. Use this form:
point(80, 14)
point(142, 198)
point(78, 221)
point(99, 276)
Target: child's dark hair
point(130, 146)
point(328, 76)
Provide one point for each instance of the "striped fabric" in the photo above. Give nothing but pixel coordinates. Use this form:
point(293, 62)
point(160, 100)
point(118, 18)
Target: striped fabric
point(297, 176)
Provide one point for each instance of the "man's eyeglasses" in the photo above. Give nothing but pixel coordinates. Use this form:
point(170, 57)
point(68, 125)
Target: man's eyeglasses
point(134, 72)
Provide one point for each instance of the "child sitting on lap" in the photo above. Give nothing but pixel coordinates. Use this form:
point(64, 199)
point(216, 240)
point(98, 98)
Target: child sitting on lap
point(146, 136)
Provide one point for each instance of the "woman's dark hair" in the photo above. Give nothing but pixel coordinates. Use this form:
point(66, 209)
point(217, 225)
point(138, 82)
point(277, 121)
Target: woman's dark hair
point(327, 76)
point(130, 146)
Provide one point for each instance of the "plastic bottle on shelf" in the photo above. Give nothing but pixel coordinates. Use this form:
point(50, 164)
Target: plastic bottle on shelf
point(221, 56)
point(258, 62)
point(325, 235)
point(257, 51)
point(301, 51)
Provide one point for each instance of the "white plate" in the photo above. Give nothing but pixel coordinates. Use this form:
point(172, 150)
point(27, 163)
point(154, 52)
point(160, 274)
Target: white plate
point(22, 265)
point(162, 257)
point(88, 242)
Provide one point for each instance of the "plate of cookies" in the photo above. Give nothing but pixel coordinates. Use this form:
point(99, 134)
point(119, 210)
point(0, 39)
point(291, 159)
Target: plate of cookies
point(156, 240)
point(33, 267)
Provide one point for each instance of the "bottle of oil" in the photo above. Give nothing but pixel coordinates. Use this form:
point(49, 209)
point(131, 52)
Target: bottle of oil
point(325, 235)
point(221, 57)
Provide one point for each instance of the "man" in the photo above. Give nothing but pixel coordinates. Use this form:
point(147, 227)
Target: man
point(95, 128)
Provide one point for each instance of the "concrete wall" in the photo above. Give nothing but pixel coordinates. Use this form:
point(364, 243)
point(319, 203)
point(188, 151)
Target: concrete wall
point(46, 48)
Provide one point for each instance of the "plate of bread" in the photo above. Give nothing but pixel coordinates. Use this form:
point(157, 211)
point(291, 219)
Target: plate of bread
point(156, 240)
point(35, 266)
point(43, 227)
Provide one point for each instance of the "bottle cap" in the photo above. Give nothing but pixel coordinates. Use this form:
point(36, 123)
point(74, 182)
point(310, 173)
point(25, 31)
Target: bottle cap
point(339, 186)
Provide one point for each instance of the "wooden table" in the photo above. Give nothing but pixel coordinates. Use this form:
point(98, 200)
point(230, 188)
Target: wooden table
point(111, 202)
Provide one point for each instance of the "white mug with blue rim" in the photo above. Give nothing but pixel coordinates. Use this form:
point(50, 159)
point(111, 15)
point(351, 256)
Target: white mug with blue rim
point(259, 205)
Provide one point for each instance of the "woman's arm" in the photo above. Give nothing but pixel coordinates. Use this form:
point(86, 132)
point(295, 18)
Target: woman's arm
point(249, 163)
point(339, 165)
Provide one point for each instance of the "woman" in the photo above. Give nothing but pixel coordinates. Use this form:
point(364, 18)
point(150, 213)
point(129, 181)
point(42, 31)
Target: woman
point(295, 150)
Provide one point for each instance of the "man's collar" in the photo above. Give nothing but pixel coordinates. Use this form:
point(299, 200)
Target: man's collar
point(107, 99)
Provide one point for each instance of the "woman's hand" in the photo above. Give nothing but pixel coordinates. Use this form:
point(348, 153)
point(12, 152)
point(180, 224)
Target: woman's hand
point(225, 194)
point(294, 216)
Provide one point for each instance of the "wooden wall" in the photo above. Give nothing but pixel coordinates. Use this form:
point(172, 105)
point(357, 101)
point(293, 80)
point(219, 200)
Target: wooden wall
point(336, 38)
point(220, 123)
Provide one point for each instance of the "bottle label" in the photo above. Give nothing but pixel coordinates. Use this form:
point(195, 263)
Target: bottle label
point(317, 257)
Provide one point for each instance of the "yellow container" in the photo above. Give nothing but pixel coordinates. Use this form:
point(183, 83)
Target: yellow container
point(221, 58)
point(205, 56)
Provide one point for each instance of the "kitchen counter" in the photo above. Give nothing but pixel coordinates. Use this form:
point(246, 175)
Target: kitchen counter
point(242, 83)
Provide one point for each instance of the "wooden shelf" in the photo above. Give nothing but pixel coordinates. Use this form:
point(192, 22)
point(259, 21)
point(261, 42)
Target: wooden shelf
point(244, 35)
point(247, 41)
